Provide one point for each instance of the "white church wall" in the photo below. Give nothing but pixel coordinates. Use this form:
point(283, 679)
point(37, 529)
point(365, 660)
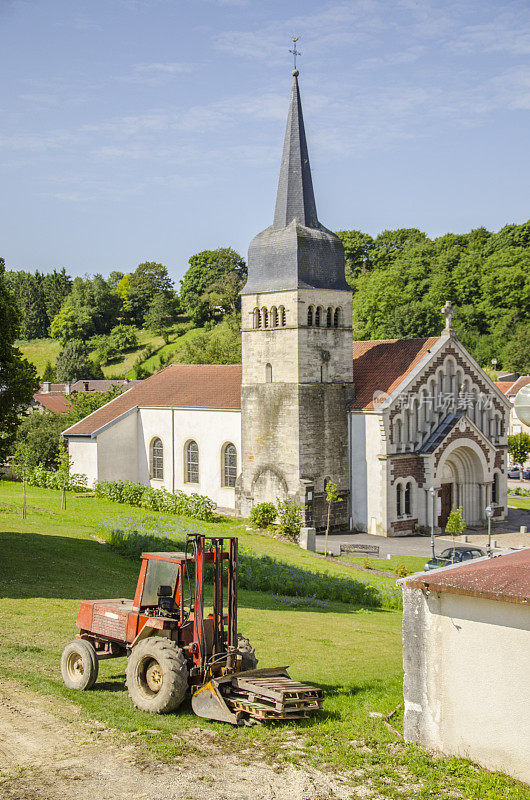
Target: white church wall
point(83, 455)
point(116, 450)
point(368, 473)
point(211, 429)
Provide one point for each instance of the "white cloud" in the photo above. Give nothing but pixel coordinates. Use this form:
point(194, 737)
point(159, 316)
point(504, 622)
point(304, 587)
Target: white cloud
point(169, 67)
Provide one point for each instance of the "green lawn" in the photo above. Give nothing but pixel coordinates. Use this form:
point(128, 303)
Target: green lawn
point(519, 502)
point(412, 563)
point(52, 560)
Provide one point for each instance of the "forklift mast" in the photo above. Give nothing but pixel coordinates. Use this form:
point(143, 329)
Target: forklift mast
point(211, 550)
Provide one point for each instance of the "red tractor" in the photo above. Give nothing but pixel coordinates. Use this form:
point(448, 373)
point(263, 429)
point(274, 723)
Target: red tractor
point(172, 646)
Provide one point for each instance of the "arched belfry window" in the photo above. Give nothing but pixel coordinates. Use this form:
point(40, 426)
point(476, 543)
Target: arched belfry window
point(274, 317)
point(229, 465)
point(336, 318)
point(318, 316)
point(310, 312)
point(281, 312)
point(329, 317)
point(157, 459)
point(268, 373)
point(192, 462)
point(257, 318)
point(265, 316)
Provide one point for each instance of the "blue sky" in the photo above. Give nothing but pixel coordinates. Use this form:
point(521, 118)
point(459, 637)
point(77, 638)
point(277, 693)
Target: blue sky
point(135, 130)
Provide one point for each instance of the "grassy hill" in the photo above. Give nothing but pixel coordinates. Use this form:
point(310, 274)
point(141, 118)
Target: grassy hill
point(39, 351)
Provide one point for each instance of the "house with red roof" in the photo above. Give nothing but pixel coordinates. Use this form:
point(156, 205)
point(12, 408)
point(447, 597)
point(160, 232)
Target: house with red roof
point(385, 421)
point(511, 389)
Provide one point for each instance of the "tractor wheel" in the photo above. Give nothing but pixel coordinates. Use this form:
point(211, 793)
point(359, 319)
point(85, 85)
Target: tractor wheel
point(79, 665)
point(245, 649)
point(157, 675)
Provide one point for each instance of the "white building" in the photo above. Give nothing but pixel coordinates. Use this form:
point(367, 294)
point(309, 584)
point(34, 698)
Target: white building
point(466, 654)
point(385, 421)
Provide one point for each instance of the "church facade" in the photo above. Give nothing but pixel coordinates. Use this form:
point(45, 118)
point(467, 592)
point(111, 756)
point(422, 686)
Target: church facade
point(385, 421)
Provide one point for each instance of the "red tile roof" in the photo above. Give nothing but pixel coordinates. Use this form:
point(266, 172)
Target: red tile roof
point(184, 385)
point(504, 385)
point(505, 577)
point(382, 365)
point(53, 401)
point(524, 380)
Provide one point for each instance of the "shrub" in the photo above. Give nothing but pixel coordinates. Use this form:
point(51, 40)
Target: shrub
point(55, 479)
point(136, 494)
point(402, 571)
point(263, 515)
point(290, 519)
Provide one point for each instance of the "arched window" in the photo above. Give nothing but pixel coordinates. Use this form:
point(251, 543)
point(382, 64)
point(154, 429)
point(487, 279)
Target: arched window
point(318, 316)
point(274, 317)
point(324, 372)
point(265, 316)
point(229, 465)
point(329, 317)
point(192, 462)
point(157, 459)
point(397, 431)
point(495, 489)
point(268, 373)
point(310, 312)
point(336, 317)
point(257, 318)
point(281, 312)
point(408, 500)
point(399, 499)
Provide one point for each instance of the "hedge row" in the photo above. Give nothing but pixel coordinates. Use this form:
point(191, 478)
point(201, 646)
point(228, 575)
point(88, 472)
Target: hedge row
point(263, 573)
point(136, 494)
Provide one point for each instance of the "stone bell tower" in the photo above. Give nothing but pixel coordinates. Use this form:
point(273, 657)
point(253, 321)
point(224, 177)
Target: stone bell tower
point(297, 349)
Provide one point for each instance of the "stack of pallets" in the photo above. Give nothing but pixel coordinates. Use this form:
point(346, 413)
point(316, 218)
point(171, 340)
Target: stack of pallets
point(270, 696)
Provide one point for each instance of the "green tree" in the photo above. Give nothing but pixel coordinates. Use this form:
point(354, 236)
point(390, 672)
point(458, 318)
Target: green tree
point(71, 323)
point(145, 282)
point(40, 433)
point(73, 362)
point(124, 337)
point(56, 287)
point(332, 496)
point(220, 345)
point(516, 355)
point(358, 252)
point(213, 280)
point(49, 373)
point(18, 378)
point(81, 404)
point(455, 526)
point(160, 314)
point(27, 291)
point(519, 447)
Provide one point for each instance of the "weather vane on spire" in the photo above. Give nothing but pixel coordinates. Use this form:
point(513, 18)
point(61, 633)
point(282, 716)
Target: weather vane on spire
point(294, 51)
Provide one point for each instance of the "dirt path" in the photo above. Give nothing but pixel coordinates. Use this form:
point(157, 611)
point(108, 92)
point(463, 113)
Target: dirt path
point(48, 752)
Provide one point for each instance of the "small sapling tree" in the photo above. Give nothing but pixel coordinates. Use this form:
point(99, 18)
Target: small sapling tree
point(23, 461)
point(456, 525)
point(332, 496)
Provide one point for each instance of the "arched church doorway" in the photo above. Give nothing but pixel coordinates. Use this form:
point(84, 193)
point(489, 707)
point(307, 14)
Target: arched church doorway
point(268, 485)
point(461, 481)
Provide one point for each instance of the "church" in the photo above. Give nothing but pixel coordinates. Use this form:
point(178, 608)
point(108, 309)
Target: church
point(386, 421)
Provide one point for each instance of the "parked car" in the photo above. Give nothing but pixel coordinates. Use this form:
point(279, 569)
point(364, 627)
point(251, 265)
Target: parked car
point(454, 556)
point(526, 474)
point(514, 473)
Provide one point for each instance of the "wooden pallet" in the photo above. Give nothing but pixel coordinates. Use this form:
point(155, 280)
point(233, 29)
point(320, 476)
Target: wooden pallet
point(275, 697)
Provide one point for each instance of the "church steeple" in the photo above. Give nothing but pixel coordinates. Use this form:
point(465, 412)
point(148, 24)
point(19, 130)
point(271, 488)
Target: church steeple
point(295, 198)
point(296, 251)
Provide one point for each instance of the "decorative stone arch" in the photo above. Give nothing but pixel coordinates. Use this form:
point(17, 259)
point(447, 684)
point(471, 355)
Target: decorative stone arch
point(397, 430)
point(268, 482)
point(337, 317)
point(273, 318)
point(329, 317)
point(319, 315)
point(464, 466)
point(265, 317)
point(405, 497)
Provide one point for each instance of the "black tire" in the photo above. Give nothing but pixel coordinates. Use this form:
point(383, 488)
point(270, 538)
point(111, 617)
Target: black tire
point(247, 652)
point(79, 665)
point(157, 675)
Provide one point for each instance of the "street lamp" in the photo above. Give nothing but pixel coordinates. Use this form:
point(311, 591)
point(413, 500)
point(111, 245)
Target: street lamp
point(432, 492)
point(494, 362)
point(490, 511)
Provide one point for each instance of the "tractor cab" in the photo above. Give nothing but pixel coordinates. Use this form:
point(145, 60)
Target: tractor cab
point(160, 584)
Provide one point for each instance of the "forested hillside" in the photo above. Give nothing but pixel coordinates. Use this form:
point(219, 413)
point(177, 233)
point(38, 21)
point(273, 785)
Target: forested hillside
point(131, 324)
point(401, 279)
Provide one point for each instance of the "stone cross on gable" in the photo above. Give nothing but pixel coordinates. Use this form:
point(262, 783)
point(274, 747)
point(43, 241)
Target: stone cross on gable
point(448, 312)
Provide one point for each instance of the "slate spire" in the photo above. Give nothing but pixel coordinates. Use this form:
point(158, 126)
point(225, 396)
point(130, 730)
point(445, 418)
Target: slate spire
point(295, 198)
point(296, 251)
